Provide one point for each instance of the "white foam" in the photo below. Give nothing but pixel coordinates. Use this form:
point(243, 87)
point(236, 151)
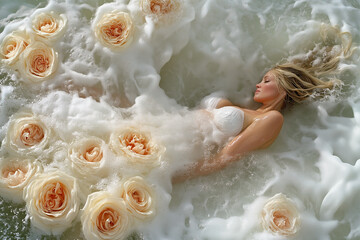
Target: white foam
point(160, 78)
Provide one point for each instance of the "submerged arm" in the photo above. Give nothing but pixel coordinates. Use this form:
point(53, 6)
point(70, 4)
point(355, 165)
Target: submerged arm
point(259, 134)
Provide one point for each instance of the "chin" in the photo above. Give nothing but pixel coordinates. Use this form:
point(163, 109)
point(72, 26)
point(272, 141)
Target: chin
point(256, 99)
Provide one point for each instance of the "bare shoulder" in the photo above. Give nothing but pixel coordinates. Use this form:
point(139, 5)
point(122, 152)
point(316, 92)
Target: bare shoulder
point(272, 123)
point(273, 118)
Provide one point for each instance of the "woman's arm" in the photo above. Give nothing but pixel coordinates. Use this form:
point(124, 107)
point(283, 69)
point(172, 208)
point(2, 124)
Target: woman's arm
point(259, 134)
point(223, 102)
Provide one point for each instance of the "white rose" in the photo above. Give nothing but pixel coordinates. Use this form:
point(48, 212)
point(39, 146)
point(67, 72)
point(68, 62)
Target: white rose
point(105, 216)
point(27, 134)
point(12, 46)
point(280, 216)
point(137, 146)
point(15, 174)
point(139, 197)
point(87, 156)
point(38, 62)
point(114, 30)
point(161, 10)
point(52, 201)
point(49, 25)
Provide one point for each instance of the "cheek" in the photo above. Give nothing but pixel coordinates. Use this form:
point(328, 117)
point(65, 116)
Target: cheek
point(271, 90)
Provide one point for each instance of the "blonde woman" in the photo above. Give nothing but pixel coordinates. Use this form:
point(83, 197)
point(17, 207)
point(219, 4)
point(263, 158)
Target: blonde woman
point(283, 85)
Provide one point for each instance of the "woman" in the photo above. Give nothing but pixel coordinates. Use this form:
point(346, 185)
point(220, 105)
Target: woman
point(283, 85)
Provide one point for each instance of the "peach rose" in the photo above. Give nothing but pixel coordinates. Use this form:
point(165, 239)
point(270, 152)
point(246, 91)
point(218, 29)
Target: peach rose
point(137, 146)
point(12, 46)
point(280, 216)
point(139, 197)
point(105, 216)
point(15, 175)
point(49, 25)
point(38, 62)
point(161, 10)
point(87, 156)
point(52, 201)
point(114, 30)
point(27, 134)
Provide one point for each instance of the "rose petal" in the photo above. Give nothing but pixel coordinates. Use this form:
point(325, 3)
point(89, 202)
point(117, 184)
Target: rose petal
point(52, 201)
point(114, 30)
point(280, 216)
point(105, 216)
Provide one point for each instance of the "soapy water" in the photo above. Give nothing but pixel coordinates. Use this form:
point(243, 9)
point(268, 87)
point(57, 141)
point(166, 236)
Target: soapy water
point(158, 81)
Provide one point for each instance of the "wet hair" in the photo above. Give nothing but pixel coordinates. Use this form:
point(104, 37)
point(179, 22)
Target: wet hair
point(301, 76)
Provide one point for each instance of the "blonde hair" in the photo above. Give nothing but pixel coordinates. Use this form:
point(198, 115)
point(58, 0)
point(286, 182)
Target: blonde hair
point(302, 76)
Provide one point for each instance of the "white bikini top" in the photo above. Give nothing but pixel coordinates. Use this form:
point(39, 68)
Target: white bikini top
point(229, 119)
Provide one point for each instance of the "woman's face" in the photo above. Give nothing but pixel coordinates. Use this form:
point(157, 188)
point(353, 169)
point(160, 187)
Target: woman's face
point(268, 90)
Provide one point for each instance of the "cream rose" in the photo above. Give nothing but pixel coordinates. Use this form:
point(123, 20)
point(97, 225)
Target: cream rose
point(38, 62)
point(27, 134)
point(161, 10)
point(52, 201)
point(87, 156)
point(280, 216)
point(12, 46)
point(139, 197)
point(105, 216)
point(137, 146)
point(49, 25)
point(114, 30)
point(15, 174)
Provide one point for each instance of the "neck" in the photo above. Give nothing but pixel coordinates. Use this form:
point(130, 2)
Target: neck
point(274, 105)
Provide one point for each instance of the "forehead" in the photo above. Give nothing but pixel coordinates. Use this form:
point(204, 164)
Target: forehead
point(270, 75)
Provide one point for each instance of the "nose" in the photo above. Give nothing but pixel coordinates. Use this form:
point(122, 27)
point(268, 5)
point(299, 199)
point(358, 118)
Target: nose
point(258, 85)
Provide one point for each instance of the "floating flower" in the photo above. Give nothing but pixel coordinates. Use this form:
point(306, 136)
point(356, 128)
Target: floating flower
point(14, 176)
point(137, 146)
point(139, 197)
point(114, 30)
point(105, 216)
point(52, 201)
point(49, 25)
point(27, 134)
point(161, 10)
point(280, 216)
point(38, 62)
point(12, 46)
point(87, 156)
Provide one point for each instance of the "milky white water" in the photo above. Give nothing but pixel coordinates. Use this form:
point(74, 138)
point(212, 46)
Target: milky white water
point(212, 45)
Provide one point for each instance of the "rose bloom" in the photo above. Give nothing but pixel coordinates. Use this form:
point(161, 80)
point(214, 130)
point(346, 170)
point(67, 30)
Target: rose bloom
point(139, 197)
point(280, 216)
point(27, 134)
point(12, 46)
point(137, 146)
point(87, 156)
point(105, 216)
point(52, 201)
point(38, 62)
point(160, 10)
point(114, 30)
point(15, 174)
point(49, 25)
